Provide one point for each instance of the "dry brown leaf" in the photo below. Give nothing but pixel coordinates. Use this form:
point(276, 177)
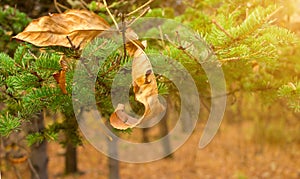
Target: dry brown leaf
point(131, 46)
point(60, 76)
point(146, 92)
point(80, 26)
point(75, 28)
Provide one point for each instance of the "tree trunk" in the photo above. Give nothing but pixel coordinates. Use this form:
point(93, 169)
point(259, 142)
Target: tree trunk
point(38, 155)
point(145, 135)
point(186, 119)
point(71, 159)
point(164, 130)
point(113, 164)
point(72, 139)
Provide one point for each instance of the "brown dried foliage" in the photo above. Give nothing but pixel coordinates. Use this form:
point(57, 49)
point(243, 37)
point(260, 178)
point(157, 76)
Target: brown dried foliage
point(74, 28)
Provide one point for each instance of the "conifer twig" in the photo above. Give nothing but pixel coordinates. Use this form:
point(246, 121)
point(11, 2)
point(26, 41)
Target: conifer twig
point(123, 36)
point(142, 14)
point(99, 47)
point(57, 5)
point(238, 58)
point(231, 59)
point(161, 36)
point(273, 13)
point(139, 8)
point(33, 55)
point(84, 4)
point(205, 105)
point(180, 47)
point(221, 28)
point(115, 65)
point(110, 14)
point(70, 42)
point(40, 79)
point(247, 12)
point(4, 91)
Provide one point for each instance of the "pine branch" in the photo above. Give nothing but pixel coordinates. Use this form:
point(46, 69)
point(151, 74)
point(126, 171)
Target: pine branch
point(8, 123)
point(222, 29)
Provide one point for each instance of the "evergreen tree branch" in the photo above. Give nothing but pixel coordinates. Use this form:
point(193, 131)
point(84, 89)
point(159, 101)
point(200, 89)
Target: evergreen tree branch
point(222, 29)
point(113, 67)
point(230, 59)
point(181, 48)
point(8, 93)
point(40, 79)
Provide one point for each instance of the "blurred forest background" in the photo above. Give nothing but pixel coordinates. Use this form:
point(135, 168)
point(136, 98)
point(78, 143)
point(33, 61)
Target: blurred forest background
point(257, 43)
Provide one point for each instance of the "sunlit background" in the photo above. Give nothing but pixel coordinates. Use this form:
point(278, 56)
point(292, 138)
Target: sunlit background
point(260, 133)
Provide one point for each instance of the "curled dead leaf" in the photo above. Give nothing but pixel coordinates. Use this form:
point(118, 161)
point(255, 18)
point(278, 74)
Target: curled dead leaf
point(146, 92)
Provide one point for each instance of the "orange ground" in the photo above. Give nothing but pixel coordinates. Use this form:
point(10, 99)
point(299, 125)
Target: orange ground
point(232, 154)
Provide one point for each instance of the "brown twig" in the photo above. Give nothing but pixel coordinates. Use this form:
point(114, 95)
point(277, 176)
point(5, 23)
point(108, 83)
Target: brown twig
point(17, 172)
point(32, 54)
point(238, 58)
point(123, 35)
point(8, 93)
point(56, 6)
point(62, 6)
point(180, 47)
point(32, 72)
point(110, 14)
point(273, 13)
point(84, 4)
point(86, 67)
point(139, 8)
point(33, 169)
point(247, 12)
point(40, 79)
point(225, 94)
point(142, 14)
point(99, 47)
point(111, 68)
point(261, 23)
point(161, 36)
point(222, 29)
point(205, 106)
point(230, 59)
point(239, 90)
point(72, 45)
